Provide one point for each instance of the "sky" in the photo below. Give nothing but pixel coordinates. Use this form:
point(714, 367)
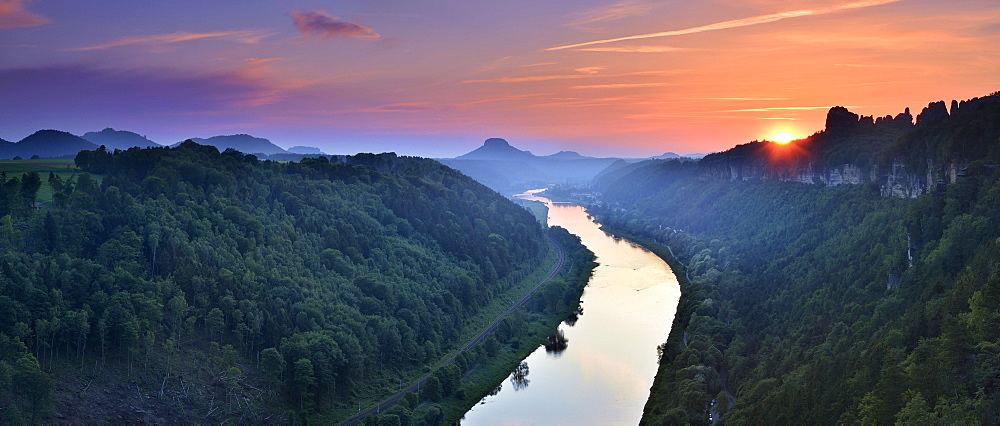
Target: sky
point(436, 78)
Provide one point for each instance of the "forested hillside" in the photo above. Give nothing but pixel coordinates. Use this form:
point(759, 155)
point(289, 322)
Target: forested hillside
point(814, 304)
point(194, 285)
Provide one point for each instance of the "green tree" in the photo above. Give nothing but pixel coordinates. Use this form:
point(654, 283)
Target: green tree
point(431, 389)
point(272, 364)
point(34, 386)
point(303, 382)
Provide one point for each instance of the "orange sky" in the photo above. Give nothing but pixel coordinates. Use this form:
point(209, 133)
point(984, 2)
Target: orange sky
point(436, 78)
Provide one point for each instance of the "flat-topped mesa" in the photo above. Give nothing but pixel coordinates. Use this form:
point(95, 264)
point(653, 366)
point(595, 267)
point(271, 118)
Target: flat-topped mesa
point(496, 143)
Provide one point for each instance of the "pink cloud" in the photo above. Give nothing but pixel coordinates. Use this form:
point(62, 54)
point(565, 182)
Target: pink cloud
point(13, 15)
point(326, 26)
point(247, 37)
point(737, 23)
point(256, 61)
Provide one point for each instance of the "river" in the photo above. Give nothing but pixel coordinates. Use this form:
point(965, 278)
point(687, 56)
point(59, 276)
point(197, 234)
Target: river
point(604, 374)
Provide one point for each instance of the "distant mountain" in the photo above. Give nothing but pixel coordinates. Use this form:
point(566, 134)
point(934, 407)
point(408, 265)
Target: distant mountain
point(496, 149)
point(507, 169)
point(673, 155)
point(665, 156)
point(566, 155)
point(305, 150)
point(241, 142)
point(119, 139)
point(46, 144)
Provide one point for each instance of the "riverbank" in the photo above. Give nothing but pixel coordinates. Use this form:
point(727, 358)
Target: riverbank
point(604, 375)
point(680, 351)
point(513, 331)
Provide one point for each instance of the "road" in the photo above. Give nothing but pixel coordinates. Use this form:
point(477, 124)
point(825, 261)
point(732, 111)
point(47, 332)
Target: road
point(415, 386)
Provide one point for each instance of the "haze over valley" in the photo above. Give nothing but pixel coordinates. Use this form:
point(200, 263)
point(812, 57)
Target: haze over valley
point(423, 213)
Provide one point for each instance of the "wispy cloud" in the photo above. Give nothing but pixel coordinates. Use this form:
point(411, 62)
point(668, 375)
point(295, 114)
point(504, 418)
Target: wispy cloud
point(589, 70)
point(538, 64)
point(619, 85)
point(779, 118)
point(743, 99)
point(609, 13)
point(736, 23)
point(247, 37)
point(14, 15)
point(325, 26)
point(398, 107)
point(635, 49)
point(793, 108)
point(534, 78)
point(256, 61)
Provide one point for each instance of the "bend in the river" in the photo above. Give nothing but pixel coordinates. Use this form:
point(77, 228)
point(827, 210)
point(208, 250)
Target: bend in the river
point(604, 374)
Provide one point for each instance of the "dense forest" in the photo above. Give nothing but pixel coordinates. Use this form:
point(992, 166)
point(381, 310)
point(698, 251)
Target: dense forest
point(813, 304)
point(194, 285)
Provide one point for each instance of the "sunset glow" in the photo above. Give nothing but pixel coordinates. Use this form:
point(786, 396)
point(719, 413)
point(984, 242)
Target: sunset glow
point(781, 138)
point(620, 77)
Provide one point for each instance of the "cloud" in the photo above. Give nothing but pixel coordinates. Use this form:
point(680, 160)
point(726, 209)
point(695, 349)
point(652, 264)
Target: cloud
point(619, 85)
point(255, 61)
point(588, 70)
point(247, 37)
point(802, 108)
point(326, 26)
point(534, 78)
point(635, 49)
point(397, 107)
point(13, 15)
point(744, 99)
point(538, 64)
point(610, 13)
point(736, 23)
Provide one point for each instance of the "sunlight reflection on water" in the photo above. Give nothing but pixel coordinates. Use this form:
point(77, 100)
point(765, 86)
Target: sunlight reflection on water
point(604, 375)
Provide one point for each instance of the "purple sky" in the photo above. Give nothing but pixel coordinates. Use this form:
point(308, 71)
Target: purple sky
point(436, 78)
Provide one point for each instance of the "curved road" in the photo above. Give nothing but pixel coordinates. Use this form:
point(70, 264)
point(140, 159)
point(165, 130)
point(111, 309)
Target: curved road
point(415, 386)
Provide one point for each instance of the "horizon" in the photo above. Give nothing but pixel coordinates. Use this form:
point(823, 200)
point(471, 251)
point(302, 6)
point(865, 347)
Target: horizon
point(630, 78)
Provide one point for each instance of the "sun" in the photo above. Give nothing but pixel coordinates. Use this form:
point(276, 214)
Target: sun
point(781, 138)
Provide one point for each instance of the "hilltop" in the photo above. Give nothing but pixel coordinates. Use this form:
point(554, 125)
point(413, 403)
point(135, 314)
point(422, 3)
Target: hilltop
point(241, 142)
point(119, 139)
point(506, 169)
point(46, 144)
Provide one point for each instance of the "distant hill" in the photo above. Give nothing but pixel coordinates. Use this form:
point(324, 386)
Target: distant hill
point(242, 142)
point(496, 149)
point(305, 150)
point(46, 144)
point(566, 155)
point(507, 169)
point(665, 156)
point(119, 139)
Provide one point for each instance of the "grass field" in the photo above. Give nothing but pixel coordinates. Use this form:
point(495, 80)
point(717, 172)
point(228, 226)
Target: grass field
point(64, 168)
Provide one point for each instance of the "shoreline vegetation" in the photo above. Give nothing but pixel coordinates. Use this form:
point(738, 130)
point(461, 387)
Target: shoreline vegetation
point(484, 367)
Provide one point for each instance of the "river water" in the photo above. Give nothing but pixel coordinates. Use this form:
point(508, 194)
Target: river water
point(604, 374)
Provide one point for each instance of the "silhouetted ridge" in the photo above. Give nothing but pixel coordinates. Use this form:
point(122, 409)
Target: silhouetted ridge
point(119, 139)
point(46, 144)
point(242, 142)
